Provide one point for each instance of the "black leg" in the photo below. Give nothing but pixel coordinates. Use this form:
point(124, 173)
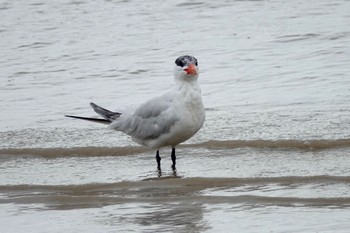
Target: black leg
point(158, 160)
point(173, 158)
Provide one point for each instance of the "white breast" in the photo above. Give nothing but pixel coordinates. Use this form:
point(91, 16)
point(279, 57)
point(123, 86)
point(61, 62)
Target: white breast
point(188, 106)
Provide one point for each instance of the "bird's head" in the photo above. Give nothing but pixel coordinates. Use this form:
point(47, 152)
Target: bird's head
point(186, 67)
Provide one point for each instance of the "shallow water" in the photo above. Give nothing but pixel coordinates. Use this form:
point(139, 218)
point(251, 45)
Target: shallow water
point(273, 155)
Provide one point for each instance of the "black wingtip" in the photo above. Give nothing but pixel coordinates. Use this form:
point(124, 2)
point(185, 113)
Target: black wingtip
point(70, 116)
point(97, 120)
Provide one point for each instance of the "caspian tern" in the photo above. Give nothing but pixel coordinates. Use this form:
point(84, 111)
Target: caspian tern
point(167, 120)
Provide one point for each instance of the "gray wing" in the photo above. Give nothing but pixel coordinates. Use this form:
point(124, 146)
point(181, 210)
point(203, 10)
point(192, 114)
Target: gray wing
point(149, 121)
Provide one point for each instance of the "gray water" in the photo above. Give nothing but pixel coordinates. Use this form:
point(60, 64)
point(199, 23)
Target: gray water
point(272, 156)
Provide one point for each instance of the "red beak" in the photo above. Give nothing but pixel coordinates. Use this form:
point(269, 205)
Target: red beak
point(191, 69)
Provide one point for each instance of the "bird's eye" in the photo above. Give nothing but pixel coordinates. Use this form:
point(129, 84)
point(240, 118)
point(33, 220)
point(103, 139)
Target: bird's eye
point(196, 63)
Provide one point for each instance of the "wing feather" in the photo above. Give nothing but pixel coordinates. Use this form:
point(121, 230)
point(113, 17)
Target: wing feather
point(149, 121)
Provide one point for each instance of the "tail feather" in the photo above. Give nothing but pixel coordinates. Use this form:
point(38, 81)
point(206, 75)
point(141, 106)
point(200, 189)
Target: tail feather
point(106, 114)
point(97, 120)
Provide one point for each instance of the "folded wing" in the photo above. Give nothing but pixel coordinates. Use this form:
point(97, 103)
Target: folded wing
point(149, 121)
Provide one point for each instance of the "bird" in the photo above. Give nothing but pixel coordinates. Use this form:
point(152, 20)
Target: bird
point(162, 121)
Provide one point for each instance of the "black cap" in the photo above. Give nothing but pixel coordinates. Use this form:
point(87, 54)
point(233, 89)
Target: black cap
point(185, 60)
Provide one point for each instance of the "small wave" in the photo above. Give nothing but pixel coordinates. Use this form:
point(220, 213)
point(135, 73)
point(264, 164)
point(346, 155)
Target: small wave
point(71, 152)
point(66, 202)
point(292, 38)
point(278, 144)
point(168, 190)
point(213, 144)
point(35, 45)
point(174, 181)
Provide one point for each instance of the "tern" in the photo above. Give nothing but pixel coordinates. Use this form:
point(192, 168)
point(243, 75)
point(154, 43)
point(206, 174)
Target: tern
point(166, 120)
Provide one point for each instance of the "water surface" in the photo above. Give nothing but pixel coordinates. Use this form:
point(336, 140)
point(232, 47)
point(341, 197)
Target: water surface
point(272, 156)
